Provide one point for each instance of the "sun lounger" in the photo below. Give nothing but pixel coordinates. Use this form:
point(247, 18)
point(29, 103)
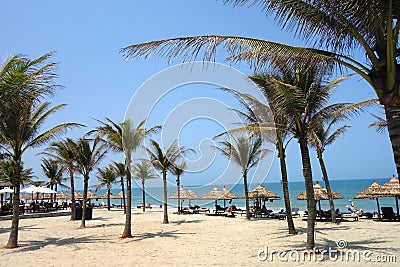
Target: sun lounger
point(388, 213)
point(295, 212)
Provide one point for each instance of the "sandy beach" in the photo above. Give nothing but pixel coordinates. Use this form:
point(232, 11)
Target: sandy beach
point(196, 240)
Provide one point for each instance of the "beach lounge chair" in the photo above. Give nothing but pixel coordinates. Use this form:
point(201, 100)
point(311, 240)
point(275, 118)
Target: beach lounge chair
point(295, 212)
point(388, 213)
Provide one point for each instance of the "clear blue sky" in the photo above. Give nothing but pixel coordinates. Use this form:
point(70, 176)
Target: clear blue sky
point(98, 83)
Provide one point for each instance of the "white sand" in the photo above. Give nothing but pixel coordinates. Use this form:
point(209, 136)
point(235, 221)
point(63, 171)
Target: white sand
point(189, 240)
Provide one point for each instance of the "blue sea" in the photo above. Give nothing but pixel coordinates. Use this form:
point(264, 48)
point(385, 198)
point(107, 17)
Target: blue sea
point(347, 188)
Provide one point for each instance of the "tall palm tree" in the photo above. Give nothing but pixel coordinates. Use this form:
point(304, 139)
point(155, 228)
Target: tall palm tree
point(64, 152)
point(107, 177)
point(246, 153)
point(340, 32)
point(120, 170)
point(54, 172)
point(178, 170)
point(88, 155)
point(18, 138)
point(320, 138)
point(143, 171)
point(258, 117)
point(164, 160)
point(124, 137)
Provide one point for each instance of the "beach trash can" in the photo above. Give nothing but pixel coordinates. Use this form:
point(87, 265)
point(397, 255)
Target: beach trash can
point(77, 215)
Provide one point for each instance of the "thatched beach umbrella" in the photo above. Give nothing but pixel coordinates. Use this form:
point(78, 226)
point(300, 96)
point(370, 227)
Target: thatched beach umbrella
point(216, 195)
point(189, 195)
point(320, 193)
point(261, 192)
point(63, 195)
point(372, 191)
point(91, 195)
point(389, 189)
point(78, 195)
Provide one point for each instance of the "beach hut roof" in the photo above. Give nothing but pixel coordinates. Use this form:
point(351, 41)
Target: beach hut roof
point(63, 195)
point(373, 191)
point(117, 196)
point(216, 194)
point(185, 194)
point(90, 194)
point(320, 193)
point(262, 192)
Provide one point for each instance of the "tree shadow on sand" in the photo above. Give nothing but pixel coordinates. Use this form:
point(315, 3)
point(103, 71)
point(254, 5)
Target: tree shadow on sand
point(169, 234)
point(33, 245)
point(21, 228)
point(185, 221)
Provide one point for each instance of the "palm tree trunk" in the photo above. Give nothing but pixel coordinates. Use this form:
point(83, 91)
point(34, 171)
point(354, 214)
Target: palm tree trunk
point(178, 184)
point(327, 185)
point(286, 195)
point(71, 178)
point(108, 197)
point(307, 173)
point(123, 192)
point(128, 218)
point(85, 190)
point(165, 197)
point(13, 238)
point(143, 196)
point(393, 121)
point(246, 194)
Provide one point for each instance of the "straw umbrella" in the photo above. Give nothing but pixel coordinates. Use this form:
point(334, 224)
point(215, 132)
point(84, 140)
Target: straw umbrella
point(216, 195)
point(189, 195)
point(91, 195)
point(120, 196)
point(372, 191)
point(78, 195)
point(320, 193)
point(389, 189)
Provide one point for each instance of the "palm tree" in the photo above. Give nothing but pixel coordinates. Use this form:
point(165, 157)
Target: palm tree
point(336, 28)
point(107, 177)
point(259, 120)
point(143, 171)
point(124, 138)
point(320, 138)
point(164, 160)
point(54, 172)
point(120, 170)
point(64, 152)
point(7, 173)
point(246, 153)
point(178, 170)
point(17, 138)
point(87, 156)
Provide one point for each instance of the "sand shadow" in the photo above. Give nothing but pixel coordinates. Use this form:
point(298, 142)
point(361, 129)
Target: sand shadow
point(185, 221)
point(160, 234)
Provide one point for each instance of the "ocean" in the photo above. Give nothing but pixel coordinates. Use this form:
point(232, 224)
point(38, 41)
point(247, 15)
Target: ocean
point(347, 188)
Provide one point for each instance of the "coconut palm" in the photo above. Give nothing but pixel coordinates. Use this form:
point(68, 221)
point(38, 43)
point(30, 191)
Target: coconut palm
point(164, 160)
point(246, 153)
point(340, 32)
point(88, 155)
point(259, 121)
point(178, 170)
point(54, 172)
point(18, 138)
point(7, 173)
point(107, 177)
point(320, 138)
point(380, 125)
point(63, 152)
point(126, 138)
point(120, 170)
point(143, 171)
